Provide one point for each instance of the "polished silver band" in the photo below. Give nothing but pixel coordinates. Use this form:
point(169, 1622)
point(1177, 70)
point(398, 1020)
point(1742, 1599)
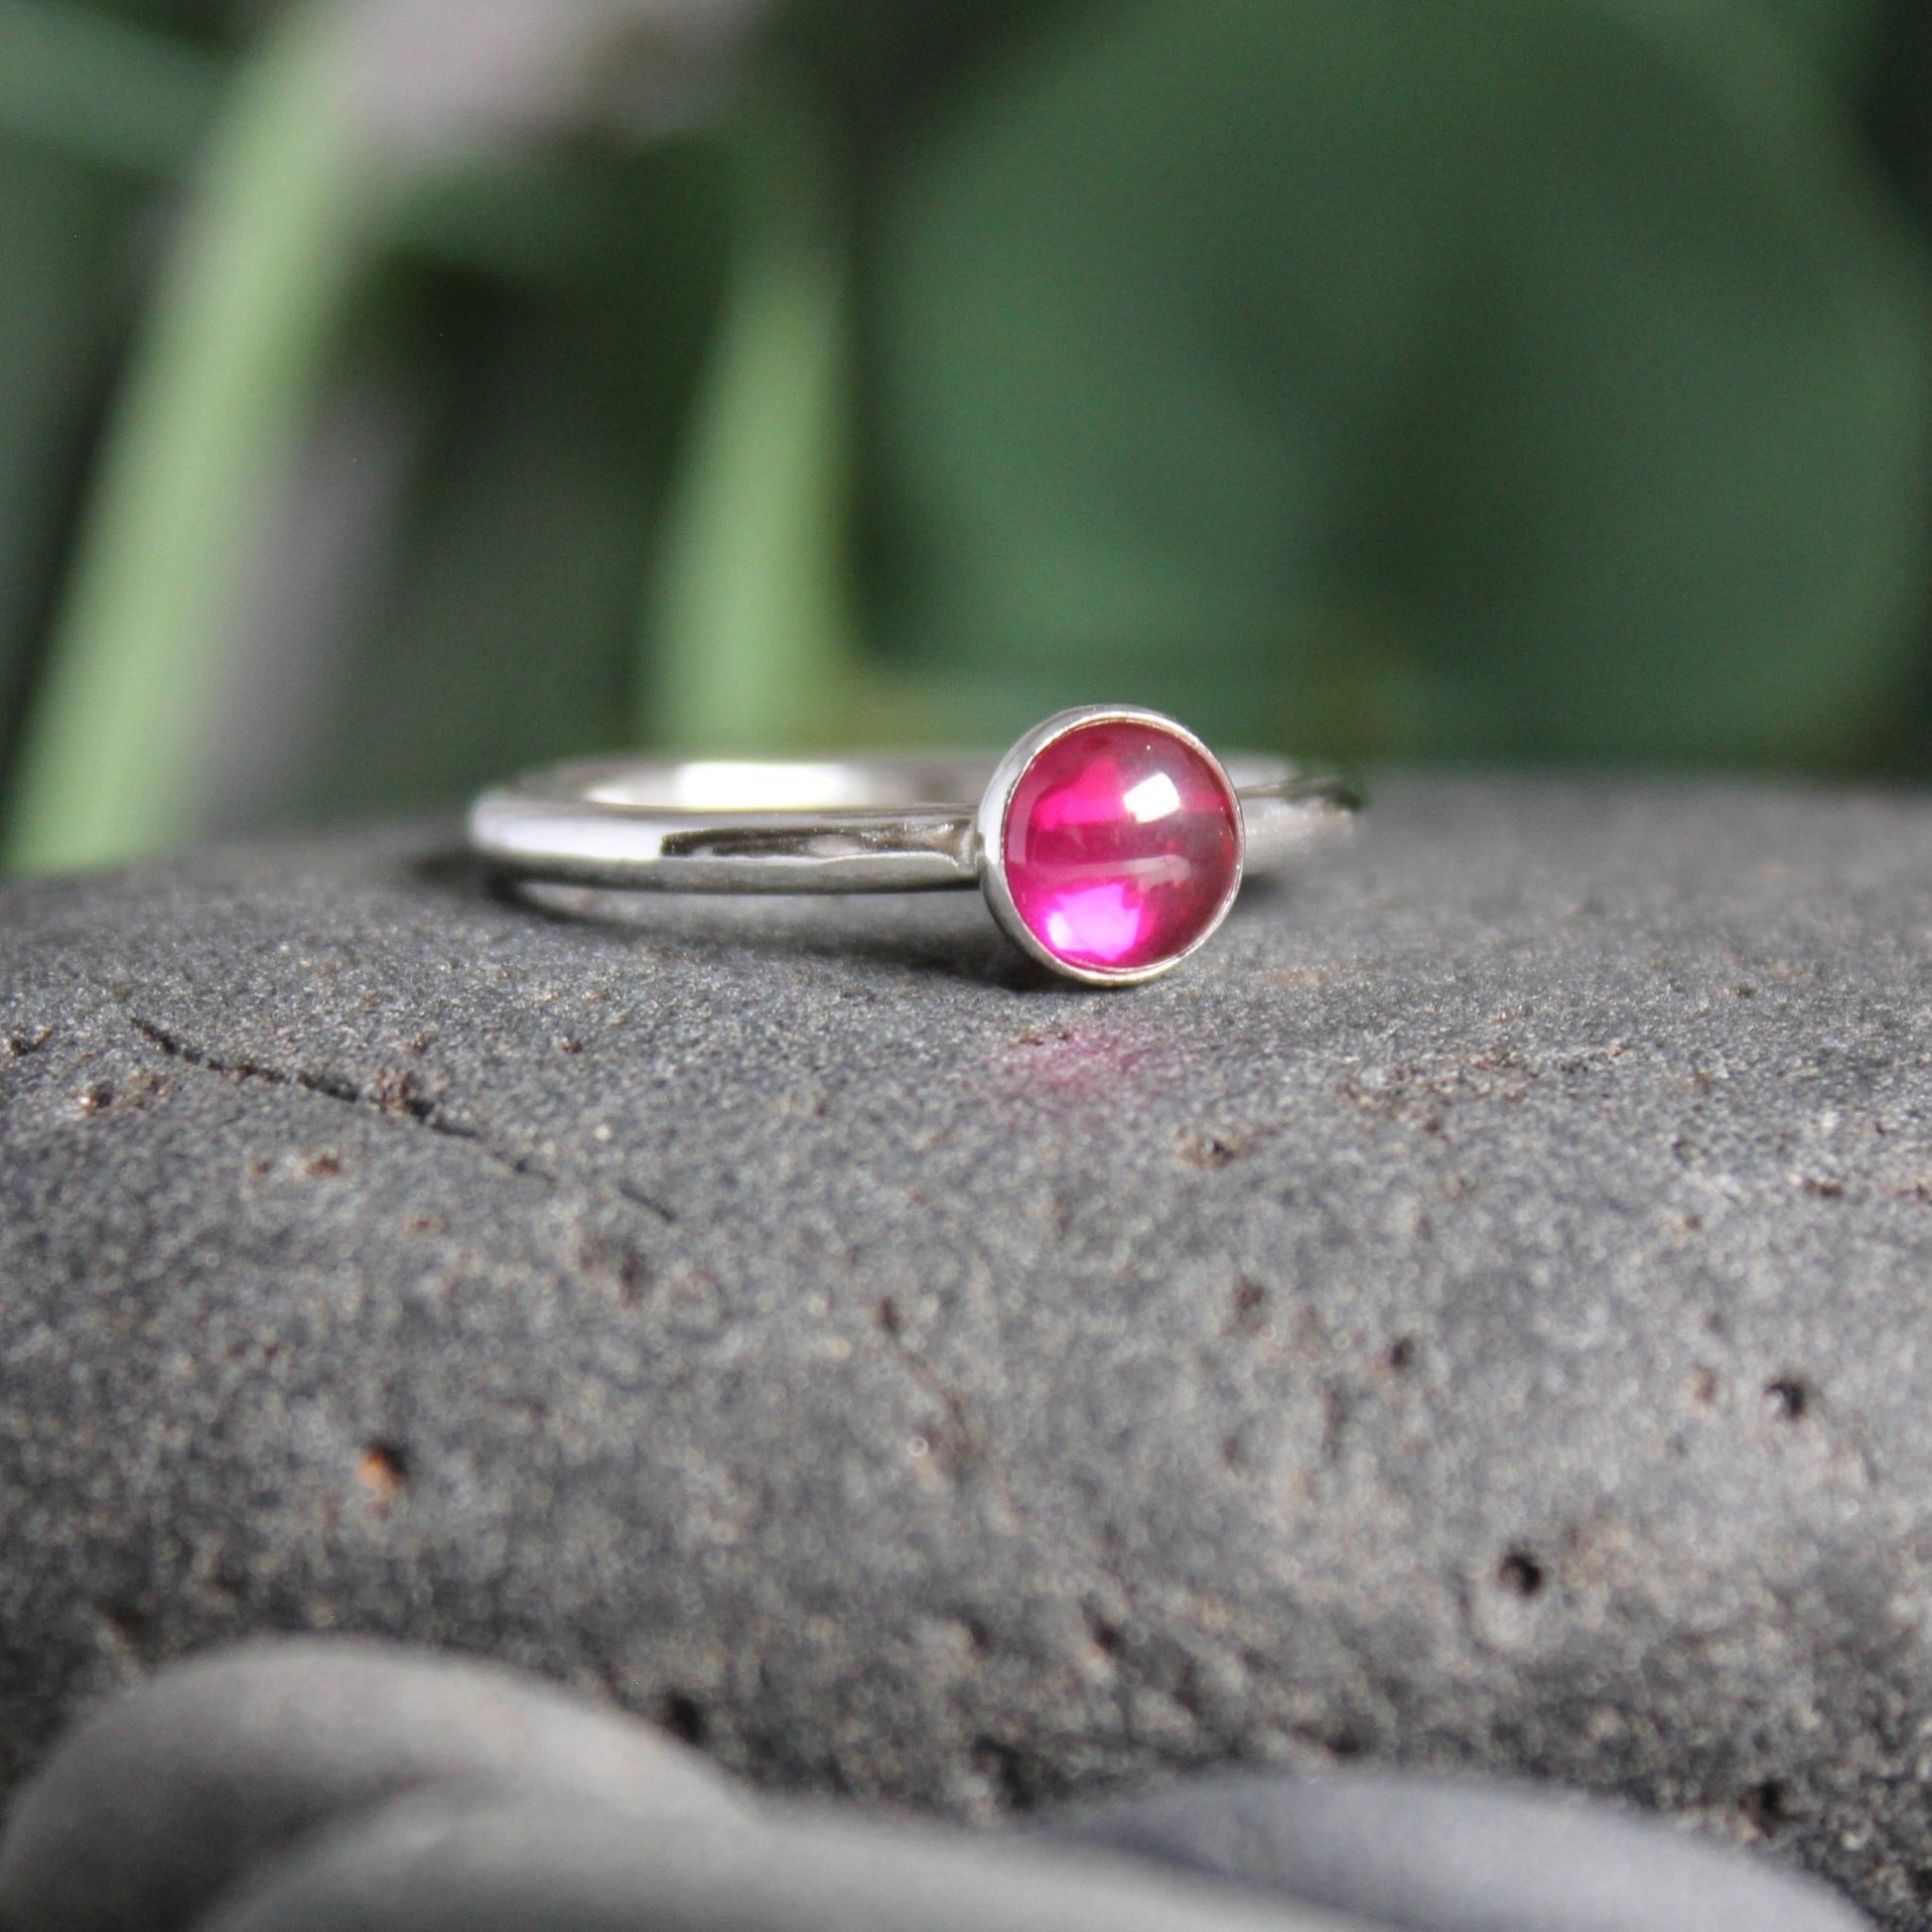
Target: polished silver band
point(853, 825)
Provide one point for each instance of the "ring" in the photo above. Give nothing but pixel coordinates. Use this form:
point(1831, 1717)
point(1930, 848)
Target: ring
point(1109, 842)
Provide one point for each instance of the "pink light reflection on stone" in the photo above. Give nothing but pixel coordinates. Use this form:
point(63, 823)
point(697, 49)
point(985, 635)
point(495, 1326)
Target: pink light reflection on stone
point(1103, 922)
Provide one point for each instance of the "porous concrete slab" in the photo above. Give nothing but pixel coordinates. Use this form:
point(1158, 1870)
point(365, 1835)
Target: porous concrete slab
point(1476, 1314)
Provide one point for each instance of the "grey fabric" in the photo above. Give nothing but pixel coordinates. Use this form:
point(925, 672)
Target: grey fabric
point(1464, 1856)
point(152, 1807)
point(310, 1786)
point(1475, 1313)
point(510, 1870)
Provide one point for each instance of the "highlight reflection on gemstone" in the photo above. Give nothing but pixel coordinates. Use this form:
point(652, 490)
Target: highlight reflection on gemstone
point(1122, 844)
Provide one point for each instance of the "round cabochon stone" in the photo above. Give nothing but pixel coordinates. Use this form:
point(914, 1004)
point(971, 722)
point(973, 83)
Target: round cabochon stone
point(1122, 846)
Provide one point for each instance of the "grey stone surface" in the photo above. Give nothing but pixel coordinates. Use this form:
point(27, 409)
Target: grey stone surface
point(1476, 1314)
point(156, 1804)
point(1457, 1855)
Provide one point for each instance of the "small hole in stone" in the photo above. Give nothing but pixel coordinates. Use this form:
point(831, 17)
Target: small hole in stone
point(1766, 1807)
point(1212, 1150)
point(383, 1473)
point(684, 1716)
point(1789, 1397)
point(325, 1165)
point(1520, 1573)
point(126, 1625)
point(888, 1316)
point(1250, 1308)
point(1401, 1357)
point(1106, 1635)
point(1006, 1771)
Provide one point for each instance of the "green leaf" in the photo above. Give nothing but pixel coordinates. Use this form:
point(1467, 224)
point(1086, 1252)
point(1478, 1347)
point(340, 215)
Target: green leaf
point(1502, 379)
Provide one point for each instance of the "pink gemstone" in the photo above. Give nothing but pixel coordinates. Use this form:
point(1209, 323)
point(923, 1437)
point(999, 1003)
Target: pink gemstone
point(1122, 846)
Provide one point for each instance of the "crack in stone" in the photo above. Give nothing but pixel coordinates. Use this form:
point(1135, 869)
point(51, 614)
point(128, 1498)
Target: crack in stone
point(387, 1101)
point(954, 1443)
point(636, 1195)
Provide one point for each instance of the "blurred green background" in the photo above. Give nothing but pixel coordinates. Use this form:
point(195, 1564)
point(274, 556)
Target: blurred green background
point(396, 392)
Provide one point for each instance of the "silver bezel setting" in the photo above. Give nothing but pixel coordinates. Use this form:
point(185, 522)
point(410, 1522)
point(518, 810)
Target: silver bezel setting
point(990, 838)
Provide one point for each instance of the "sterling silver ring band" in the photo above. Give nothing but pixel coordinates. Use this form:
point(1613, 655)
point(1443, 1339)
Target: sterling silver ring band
point(914, 824)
